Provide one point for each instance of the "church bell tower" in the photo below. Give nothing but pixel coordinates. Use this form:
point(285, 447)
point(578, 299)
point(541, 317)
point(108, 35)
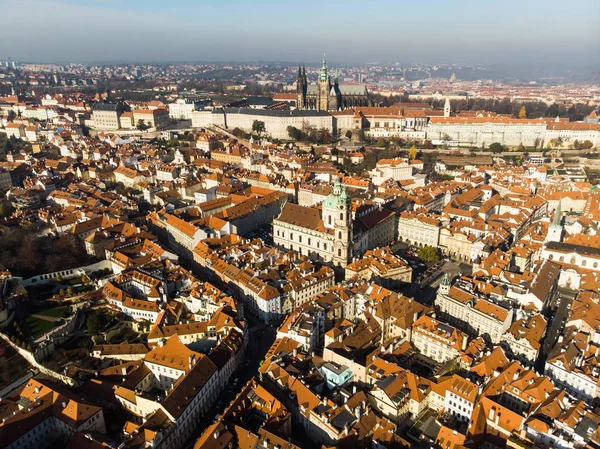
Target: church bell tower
point(323, 88)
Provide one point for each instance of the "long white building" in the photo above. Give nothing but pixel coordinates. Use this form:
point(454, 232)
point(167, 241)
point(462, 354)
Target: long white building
point(482, 131)
point(276, 122)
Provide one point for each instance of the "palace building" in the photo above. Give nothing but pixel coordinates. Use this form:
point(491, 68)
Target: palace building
point(327, 95)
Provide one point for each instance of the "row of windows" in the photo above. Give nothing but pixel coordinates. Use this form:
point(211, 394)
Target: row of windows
point(573, 261)
point(309, 240)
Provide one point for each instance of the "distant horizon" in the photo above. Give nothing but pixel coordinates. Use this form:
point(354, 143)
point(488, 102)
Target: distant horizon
point(135, 32)
point(293, 63)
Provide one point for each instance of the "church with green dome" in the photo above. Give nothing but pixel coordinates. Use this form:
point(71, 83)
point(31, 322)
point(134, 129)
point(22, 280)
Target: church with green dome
point(332, 232)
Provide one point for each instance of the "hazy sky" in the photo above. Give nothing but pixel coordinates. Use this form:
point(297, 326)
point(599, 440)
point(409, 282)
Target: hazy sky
point(349, 31)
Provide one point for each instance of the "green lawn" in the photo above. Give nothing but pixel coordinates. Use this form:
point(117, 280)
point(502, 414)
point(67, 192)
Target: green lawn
point(56, 312)
point(38, 327)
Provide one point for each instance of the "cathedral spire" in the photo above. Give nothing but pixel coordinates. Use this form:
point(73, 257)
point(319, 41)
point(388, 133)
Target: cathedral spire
point(324, 75)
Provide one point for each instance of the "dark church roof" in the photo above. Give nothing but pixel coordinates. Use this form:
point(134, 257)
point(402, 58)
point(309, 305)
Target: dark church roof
point(345, 89)
point(107, 106)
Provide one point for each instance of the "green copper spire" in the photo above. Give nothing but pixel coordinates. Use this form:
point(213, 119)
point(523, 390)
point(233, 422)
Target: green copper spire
point(324, 75)
point(445, 281)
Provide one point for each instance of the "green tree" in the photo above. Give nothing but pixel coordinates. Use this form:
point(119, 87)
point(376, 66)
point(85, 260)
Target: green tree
point(348, 134)
point(11, 115)
point(258, 127)
point(360, 135)
point(324, 136)
point(61, 292)
point(142, 125)
point(497, 147)
point(428, 254)
point(70, 291)
point(294, 133)
point(96, 322)
point(523, 112)
point(521, 147)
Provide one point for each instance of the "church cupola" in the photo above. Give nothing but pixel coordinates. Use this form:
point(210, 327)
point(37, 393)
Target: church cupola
point(445, 285)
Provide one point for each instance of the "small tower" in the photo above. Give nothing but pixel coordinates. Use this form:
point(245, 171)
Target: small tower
point(447, 108)
point(301, 89)
point(555, 230)
point(445, 285)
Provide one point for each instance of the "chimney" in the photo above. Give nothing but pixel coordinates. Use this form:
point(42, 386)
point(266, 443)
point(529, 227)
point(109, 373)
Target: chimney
point(124, 371)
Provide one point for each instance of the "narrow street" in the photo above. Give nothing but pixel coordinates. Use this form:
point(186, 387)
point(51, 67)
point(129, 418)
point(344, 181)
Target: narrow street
point(555, 326)
point(260, 340)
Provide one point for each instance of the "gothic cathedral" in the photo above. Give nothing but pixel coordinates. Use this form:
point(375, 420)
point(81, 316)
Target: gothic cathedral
point(327, 95)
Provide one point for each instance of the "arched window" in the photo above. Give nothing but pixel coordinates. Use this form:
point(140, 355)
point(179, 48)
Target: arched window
point(551, 257)
point(584, 263)
point(339, 252)
point(562, 259)
point(573, 260)
point(329, 220)
point(341, 215)
point(340, 234)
